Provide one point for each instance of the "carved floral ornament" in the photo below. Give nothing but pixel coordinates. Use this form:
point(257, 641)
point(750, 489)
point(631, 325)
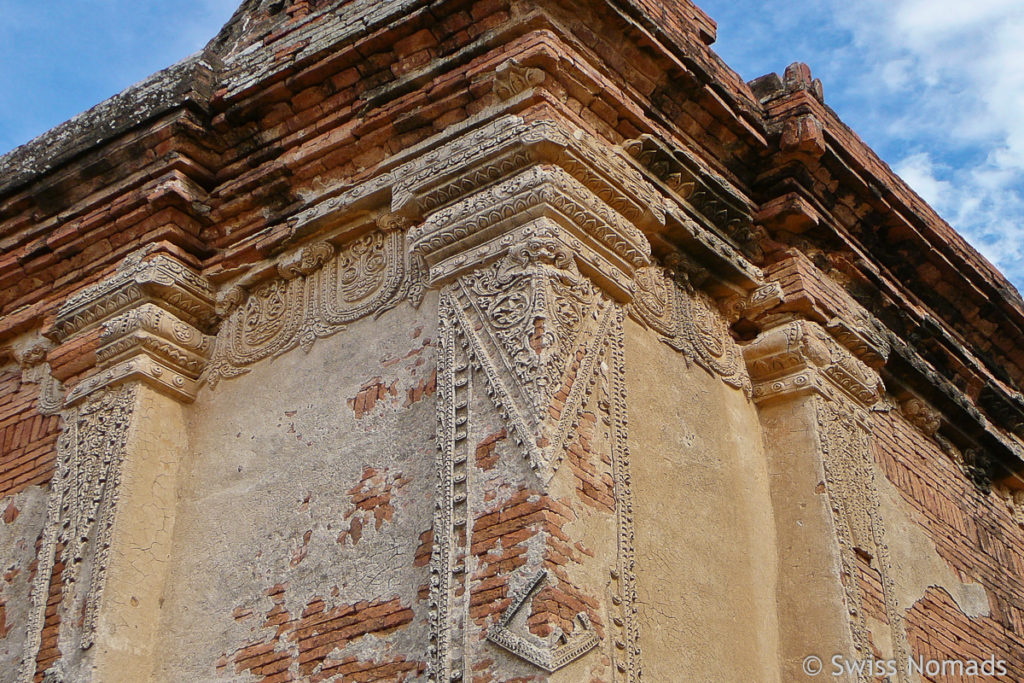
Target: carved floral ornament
point(535, 331)
point(536, 264)
point(689, 322)
point(80, 515)
point(531, 317)
point(320, 291)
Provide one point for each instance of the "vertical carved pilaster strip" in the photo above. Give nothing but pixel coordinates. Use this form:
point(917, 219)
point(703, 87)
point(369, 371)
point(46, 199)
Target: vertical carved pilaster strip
point(845, 439)
point(447, 563)
point(624, 596)
point(48, 551)
point(81, 512)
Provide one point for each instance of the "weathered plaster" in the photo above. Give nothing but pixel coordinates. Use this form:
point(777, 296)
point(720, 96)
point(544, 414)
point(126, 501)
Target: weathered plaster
point(269, 492)
point(916, 561)
point(812, 609)
point(705, 533)
point(127, 628)
point(22, 517)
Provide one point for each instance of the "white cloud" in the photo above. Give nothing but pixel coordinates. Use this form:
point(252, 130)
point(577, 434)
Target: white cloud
point(935, 86)
point(948, 85)
point(919, 172)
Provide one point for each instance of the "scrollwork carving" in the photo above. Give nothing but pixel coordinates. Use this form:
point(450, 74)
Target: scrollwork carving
point(448, 554)
point(51, 391)
point(690, 323)
point(624, 586)
point(320, 293)
point(529, 318)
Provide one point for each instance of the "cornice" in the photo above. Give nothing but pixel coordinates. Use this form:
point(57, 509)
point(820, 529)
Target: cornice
point(161, 278)
point(800, 357)
point(708, 198)
point(152, 314)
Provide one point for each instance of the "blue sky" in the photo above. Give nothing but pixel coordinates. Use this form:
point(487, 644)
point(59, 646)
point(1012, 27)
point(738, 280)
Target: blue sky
point(936, 87)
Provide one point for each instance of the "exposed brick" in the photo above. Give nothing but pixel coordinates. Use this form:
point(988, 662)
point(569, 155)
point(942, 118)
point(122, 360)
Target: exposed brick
point(303, 645)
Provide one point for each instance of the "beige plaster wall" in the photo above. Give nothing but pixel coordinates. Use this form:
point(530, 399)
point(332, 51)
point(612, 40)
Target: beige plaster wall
point(278, 463)
point(22, 517)
point(705, 539)
point(813, 614)
point(140, 549)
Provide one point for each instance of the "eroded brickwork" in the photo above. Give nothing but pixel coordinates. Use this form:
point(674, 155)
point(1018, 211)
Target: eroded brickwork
point(380, 260)
point(27, 437)
point(974, 532)
point(306, 646)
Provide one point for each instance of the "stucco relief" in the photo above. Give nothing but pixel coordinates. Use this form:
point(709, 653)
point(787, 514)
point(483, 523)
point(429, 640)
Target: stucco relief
point(552, 653)
point(319, 291)
point(489, 320)
point(690, 322)
point(850, 480)
point(153, 314)
point(539, 321)
point(80, 513)
point(800, 362)
point(524, 309)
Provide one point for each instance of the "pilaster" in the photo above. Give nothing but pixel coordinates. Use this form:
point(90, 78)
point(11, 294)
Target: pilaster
point(813, 397)
point(533, 242)
point(111, 510)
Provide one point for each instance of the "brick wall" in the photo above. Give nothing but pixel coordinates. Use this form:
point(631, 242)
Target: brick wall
point(216, 182)
point(27, 438)
point(974, 531)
